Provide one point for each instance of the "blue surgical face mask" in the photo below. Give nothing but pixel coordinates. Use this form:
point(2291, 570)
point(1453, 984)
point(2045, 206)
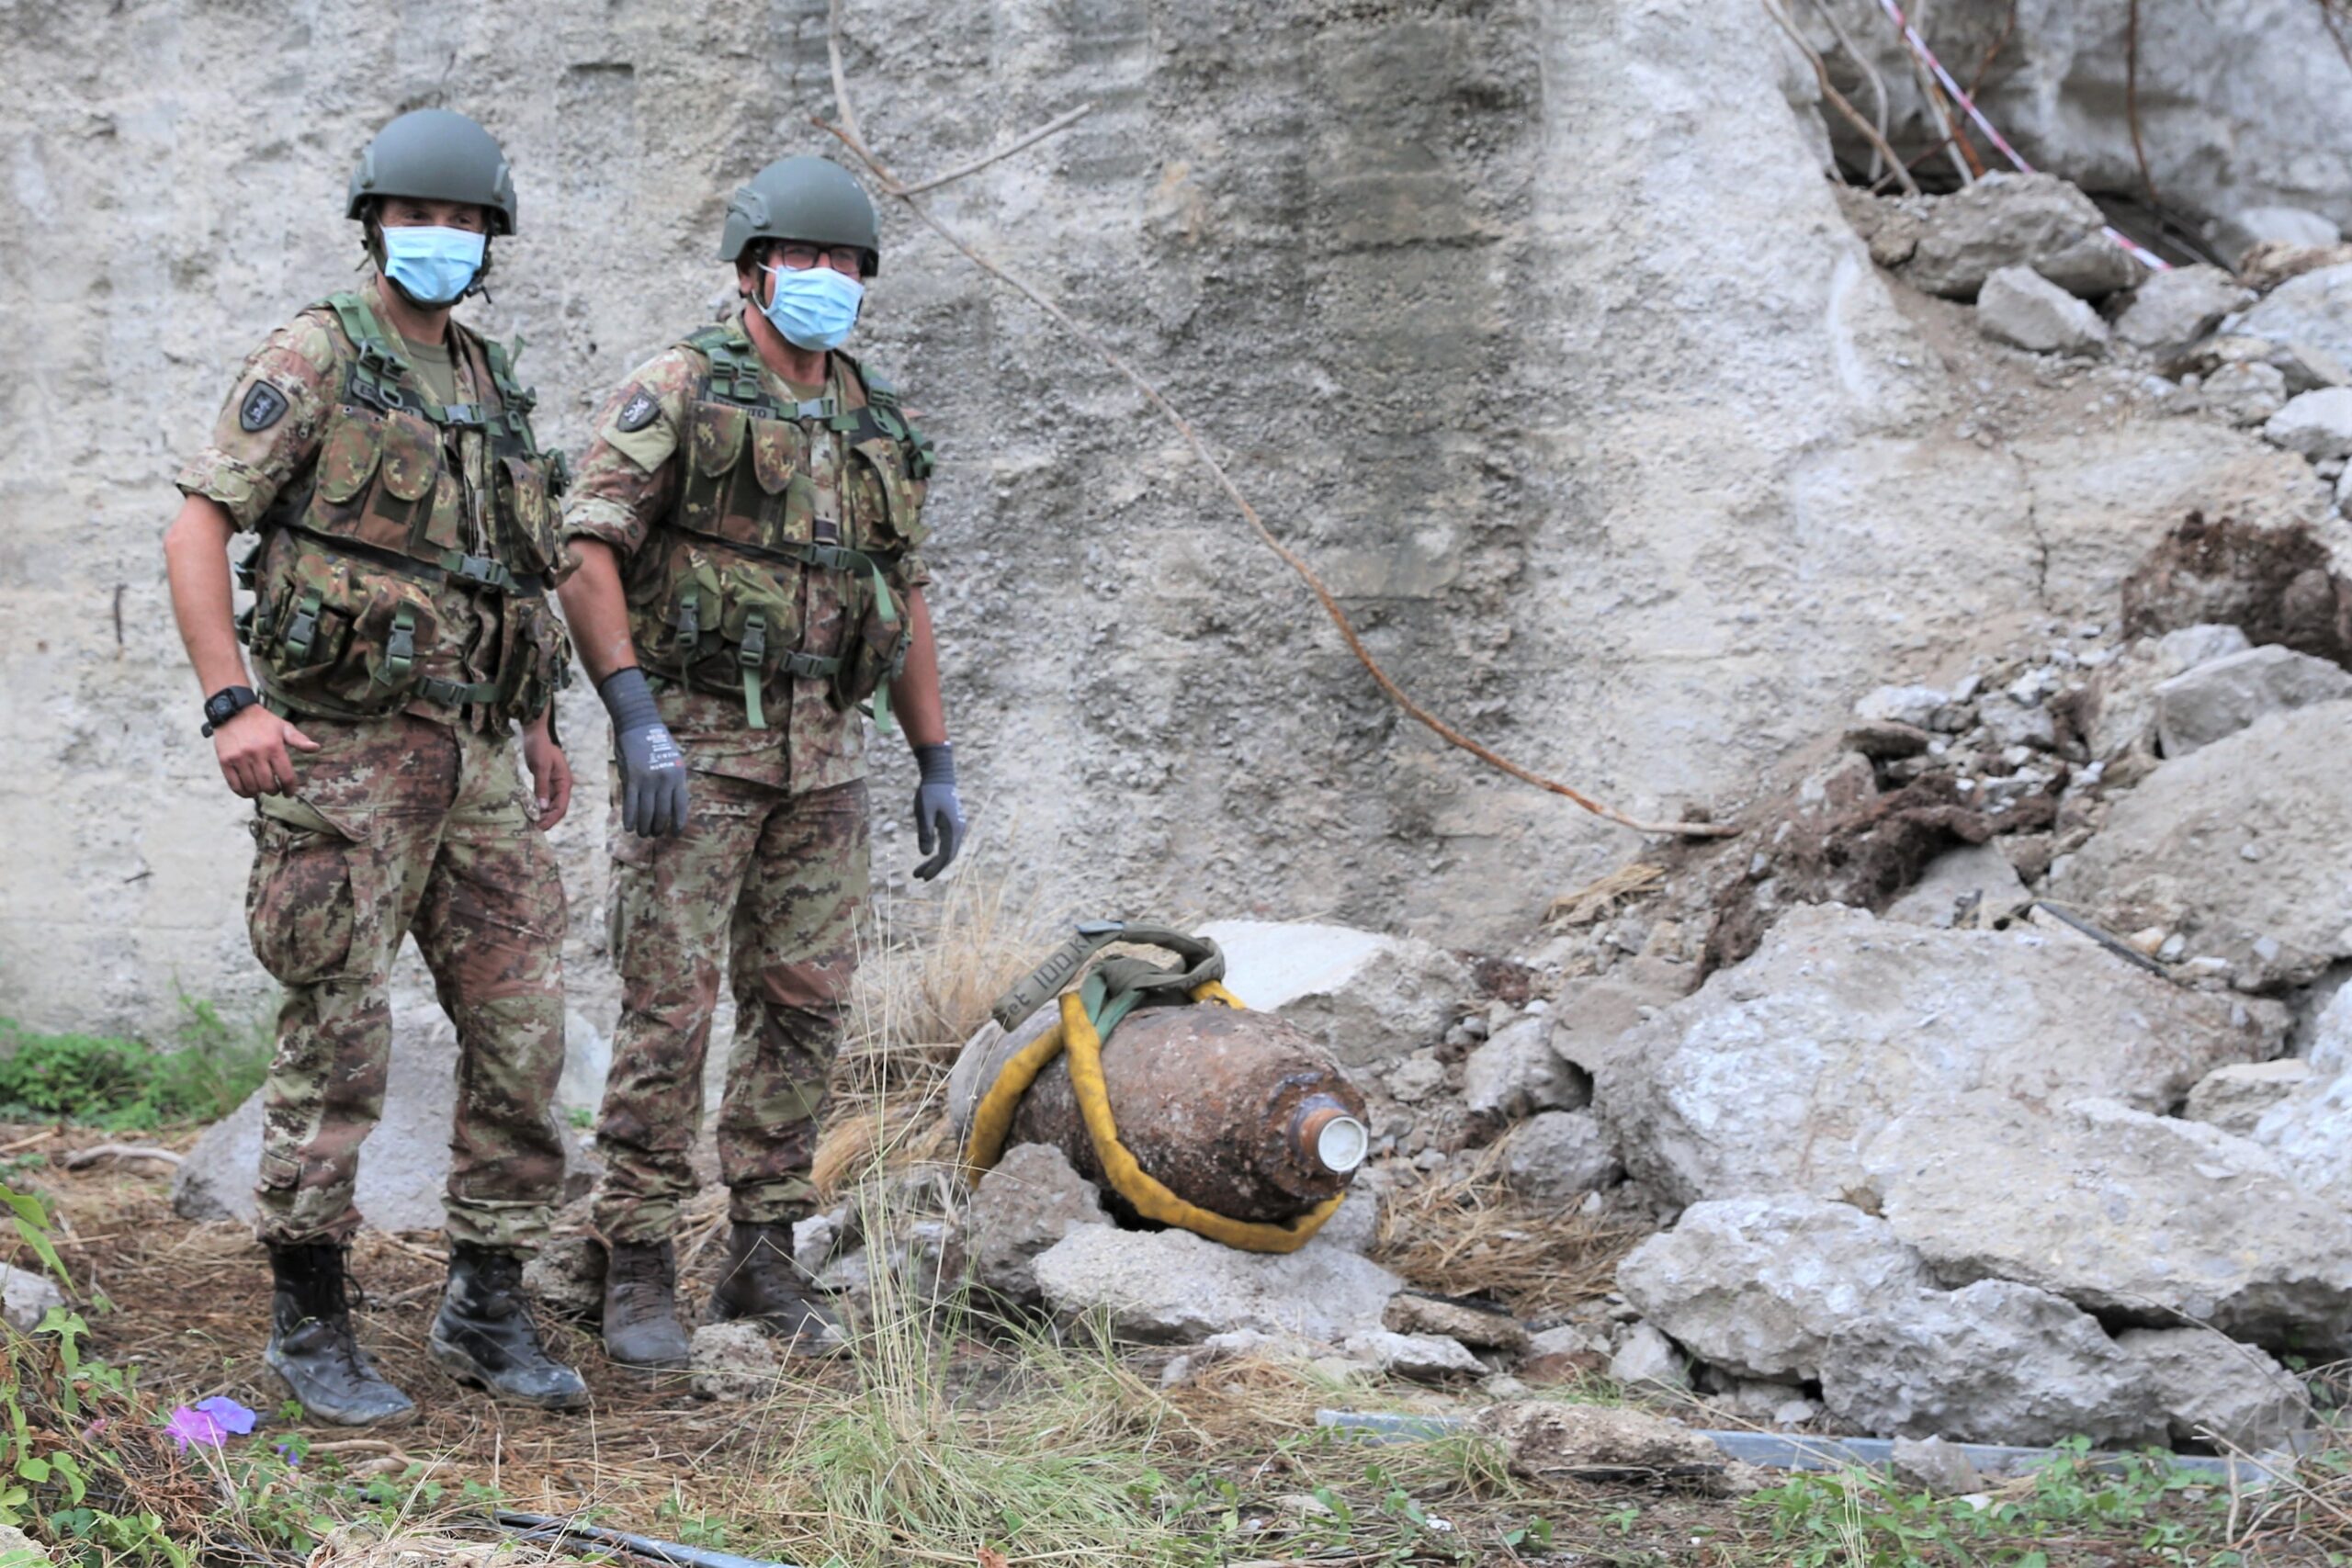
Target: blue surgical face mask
point(434, 265)
point(813, 307)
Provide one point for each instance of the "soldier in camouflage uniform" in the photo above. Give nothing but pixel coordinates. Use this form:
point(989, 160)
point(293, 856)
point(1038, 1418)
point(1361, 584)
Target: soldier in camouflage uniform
point(400, 629)
point(746, 525)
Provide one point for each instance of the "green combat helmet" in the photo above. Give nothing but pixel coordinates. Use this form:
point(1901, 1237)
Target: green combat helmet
point(437, 155)
point(805, 197)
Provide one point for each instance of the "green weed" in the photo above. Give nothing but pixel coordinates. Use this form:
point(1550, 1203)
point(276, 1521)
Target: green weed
point(128, 1084)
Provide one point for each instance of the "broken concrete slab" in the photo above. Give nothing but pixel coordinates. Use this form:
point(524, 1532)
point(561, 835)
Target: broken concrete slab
point(1485, 1329)
point(2313, 311)
point(1645, 1355)
point(2237, 1098)
point(2211, 1387)
point(1559, 1155)
point(1368, 996)
point(1972, 887)
point(1027, 1203)
point(1175, 1287)
point(2173, 309)
point(2314, 424)
point(1932, 1465)
point(1423, 1358)
point(2221, 696)
point(2002, 220)
point(1757, 1287)
point(2238, 846)
point(1545, 1440)
point(2019, 307)
point(403, 1165)
point(1517, 1073)
point(1994, 1363)
point(1775, 1074)
point(2141, 1218)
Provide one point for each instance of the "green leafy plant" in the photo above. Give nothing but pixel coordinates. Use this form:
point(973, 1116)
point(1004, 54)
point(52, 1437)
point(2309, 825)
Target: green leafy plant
point(124, 1084)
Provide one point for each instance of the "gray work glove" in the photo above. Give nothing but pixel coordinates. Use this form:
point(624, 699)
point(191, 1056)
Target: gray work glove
point(939, 814)
point(654, 771)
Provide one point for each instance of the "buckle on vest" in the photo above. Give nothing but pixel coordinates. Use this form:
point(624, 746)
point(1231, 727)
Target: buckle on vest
point(480, 571)
point(832, 557)
point(303, 629)
point(810, 666)
point(466, 416)
point(400, 648)
point(814, 407)
point(755, 641)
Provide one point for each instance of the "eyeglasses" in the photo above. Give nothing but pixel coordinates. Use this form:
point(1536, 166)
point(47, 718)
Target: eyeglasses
point(849, 259)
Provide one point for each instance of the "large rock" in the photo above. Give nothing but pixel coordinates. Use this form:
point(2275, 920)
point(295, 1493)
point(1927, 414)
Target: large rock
point(2002, 220)
point(1517, 1073)
point(2312, 311)
point(2173, 309)
point(2210, 1386)
point(1027, 1203)
point(1757, 1287)
point(2224, 696)
point(1994, 1363)
point(1173, 1286)
point(2139, 1218)
point(2317, 424)
point(2237, 232)
point(2019, 307)
point(2239, 847)
point(1424, 1358)
point(1369, 997)
point(1776, 1073)
point(403, 1165)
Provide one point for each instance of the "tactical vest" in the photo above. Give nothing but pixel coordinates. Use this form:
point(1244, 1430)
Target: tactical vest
point(716, 596)
point(352, 569)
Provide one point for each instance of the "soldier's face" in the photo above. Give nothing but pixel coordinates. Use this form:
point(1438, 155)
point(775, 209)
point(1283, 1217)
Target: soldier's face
point(411, 212)
point(755, 283)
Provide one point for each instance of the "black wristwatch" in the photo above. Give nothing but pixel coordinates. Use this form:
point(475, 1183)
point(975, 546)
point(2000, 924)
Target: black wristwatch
point(225, 705)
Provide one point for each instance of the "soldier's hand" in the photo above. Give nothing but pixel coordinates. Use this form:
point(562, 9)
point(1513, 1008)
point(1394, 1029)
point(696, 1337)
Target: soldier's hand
point(251, 749)
point(550, 777)
point(939, 811)
point(654, 771)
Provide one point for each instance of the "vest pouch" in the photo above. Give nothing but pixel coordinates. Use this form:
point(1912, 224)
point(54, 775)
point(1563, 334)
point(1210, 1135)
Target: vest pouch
point(714, 446)
point(302, 627)
point(395, 633)
point(539, 655)
point(758, 629)
point(529, 514)
point(877, 647)
point(884, 500)
point(777, 452)
point(400, 453)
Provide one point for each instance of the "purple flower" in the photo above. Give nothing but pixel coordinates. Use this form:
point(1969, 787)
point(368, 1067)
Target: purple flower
point(207, 1425)
point(232, 1416)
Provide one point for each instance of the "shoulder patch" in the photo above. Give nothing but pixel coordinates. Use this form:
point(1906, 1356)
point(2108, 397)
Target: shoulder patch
point(639, 411)
point(264, 406)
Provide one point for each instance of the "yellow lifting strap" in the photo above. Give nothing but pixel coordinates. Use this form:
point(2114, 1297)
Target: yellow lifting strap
point(992, 1124)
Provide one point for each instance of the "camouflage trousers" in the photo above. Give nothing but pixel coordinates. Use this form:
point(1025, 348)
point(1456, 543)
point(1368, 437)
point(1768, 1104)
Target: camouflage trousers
point(768, 883)
point(402, 826)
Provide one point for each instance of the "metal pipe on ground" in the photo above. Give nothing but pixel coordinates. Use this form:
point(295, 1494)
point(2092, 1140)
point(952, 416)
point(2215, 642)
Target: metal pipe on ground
point(540, 1527)
point(1780, 1450)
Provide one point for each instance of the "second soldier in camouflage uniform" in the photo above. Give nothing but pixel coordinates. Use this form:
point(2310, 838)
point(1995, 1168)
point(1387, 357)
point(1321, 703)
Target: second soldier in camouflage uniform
point(746, 524)
point(401, 630)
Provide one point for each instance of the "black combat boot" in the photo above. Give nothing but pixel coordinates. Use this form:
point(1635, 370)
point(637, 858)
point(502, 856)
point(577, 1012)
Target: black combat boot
point(761, 1281)
point(641, 1327)
point(484, 1334)
point(311, 1343)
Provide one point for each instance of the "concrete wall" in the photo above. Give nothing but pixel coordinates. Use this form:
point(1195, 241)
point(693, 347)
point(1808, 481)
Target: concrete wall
point(1534, 324)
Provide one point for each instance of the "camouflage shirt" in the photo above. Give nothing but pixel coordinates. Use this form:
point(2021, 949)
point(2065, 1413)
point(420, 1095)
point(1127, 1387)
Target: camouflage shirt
point(265, 447)
point(629, 484)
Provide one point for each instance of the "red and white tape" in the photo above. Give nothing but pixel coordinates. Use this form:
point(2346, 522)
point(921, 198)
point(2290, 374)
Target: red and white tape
point(2145, 256)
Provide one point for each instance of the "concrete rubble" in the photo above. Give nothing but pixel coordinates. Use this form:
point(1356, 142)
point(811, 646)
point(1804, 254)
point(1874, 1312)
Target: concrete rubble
point(2019, 307)
point(1777, 1074)
point(2214, 1388)
point(1174, 1287)
point(1368, 998)
point(1026, 1203)
point(2221, 696)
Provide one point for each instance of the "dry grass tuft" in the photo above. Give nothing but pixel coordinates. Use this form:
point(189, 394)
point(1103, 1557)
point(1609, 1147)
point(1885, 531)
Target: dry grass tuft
point(1463, 1232)
point(1599, 900)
